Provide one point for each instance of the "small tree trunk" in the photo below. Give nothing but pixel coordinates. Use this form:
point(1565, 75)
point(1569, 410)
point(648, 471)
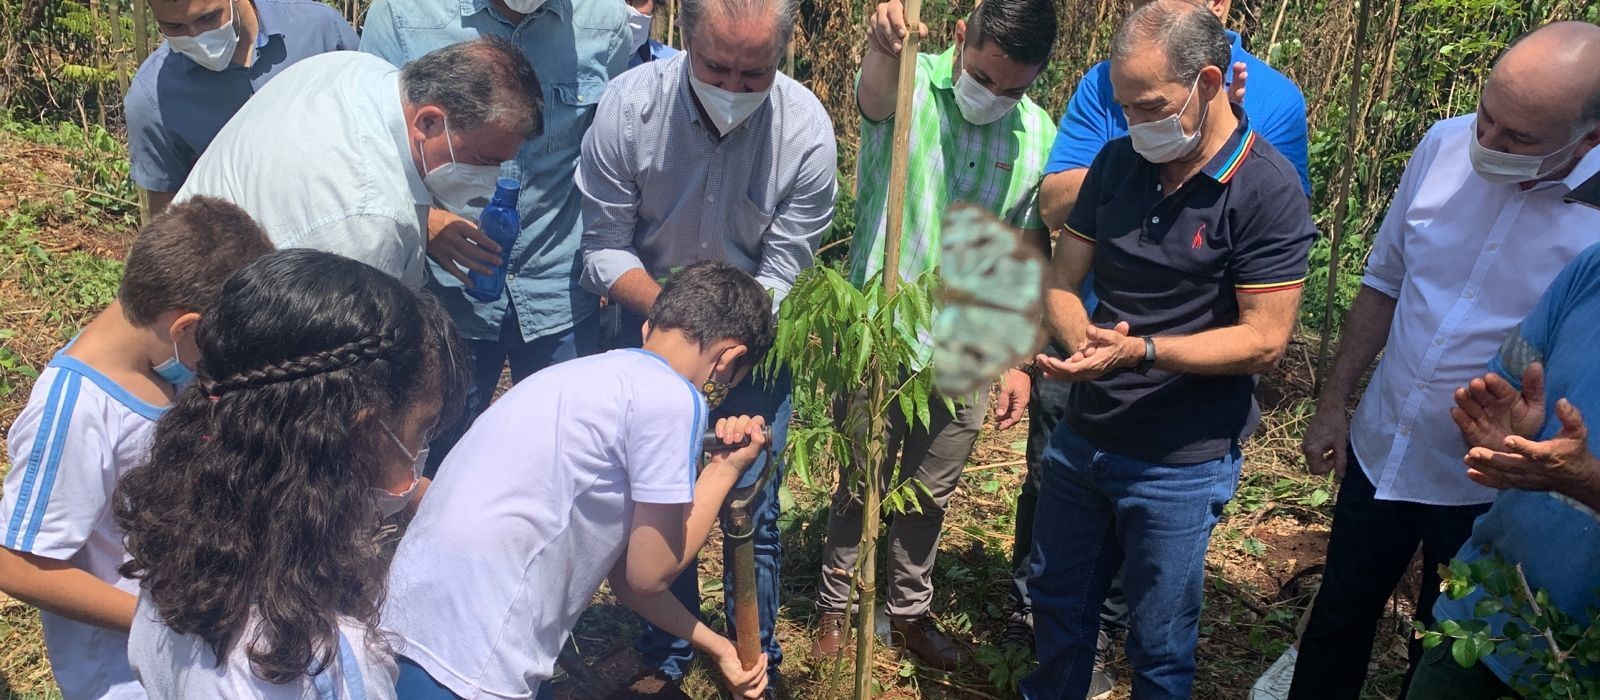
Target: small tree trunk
point(1342, 191)
point(867, 551)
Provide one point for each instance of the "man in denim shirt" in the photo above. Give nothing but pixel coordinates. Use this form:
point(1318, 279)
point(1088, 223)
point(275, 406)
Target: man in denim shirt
point(576, 47)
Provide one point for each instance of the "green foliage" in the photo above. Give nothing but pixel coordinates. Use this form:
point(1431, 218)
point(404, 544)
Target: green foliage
point(1005, 666)
point(1563, 653)
point(833, 337)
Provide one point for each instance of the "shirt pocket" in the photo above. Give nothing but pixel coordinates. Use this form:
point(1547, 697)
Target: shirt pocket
point(568, 110)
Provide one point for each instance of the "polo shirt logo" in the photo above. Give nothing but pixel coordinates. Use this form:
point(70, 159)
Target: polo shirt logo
point(1199, 237)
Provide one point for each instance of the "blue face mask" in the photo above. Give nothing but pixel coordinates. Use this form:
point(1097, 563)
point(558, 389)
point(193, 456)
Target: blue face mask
point(174, 371)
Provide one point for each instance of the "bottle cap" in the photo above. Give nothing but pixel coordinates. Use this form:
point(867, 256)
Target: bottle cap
point(506, 183)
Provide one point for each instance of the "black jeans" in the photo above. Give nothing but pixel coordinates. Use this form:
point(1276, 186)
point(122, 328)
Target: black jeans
point(1372, 544)
point(1047, 405)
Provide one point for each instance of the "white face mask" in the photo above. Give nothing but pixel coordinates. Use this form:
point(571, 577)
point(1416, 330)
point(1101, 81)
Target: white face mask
point(212, 49)
point(639, 24)
point(524, 7)
point(1163, 141)
point(388, 502)
point(459, 188)
point(1510, 168)
point(727, 109)
point(977, 104)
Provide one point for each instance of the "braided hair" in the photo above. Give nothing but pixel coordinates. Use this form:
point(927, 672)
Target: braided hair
point(254, 503)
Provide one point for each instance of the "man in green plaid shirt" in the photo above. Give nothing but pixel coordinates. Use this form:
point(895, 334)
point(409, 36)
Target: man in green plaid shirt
point(975, 138)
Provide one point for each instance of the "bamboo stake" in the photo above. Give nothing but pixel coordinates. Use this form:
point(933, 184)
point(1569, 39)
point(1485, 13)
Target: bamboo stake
point(899, 164)
point(1341, 204)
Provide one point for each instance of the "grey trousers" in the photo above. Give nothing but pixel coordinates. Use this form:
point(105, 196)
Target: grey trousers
point(935, 456)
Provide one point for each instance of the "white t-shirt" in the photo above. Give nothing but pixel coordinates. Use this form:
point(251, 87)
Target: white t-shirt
point(320, 158)
point(176, 666)
point(79, 433)
point(530, 511)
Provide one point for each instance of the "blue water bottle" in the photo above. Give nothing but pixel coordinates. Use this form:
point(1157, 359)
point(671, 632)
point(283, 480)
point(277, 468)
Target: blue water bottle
point(501, 223)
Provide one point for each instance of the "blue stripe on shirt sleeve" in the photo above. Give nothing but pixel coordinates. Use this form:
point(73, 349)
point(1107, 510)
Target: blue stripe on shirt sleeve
point(694, 437)
point(41, 444)
point(58, 446)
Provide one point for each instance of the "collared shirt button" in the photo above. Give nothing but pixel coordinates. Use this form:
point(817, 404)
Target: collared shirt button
point(1438, 341)
point(1494, 246)
point(1158, 187)
point(711, 198)
point(1155, 219)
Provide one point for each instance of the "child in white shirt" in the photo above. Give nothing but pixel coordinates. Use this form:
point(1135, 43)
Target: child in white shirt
point(588, 470)
point(88, 421)
point(255, 530)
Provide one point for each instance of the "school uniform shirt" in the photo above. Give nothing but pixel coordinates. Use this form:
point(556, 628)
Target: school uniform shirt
point(530, 512)
point(75, 438)
point(175, 107)
point(1465, 260)
point(175, 666)
point(320, 158)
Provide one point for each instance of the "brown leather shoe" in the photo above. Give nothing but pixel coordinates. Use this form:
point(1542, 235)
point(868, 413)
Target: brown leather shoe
point(830, 636)
point(651, 684)
point(921, 636)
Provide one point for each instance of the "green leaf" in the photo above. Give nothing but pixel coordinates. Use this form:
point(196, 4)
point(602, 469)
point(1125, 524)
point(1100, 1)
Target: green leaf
point(1464, 652)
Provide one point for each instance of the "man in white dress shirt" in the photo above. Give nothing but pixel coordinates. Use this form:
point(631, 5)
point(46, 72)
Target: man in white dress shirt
point(345, 153)
point(1476, 232)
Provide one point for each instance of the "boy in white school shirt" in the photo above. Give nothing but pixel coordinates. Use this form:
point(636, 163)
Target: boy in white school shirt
point(584, 471)
point(89, 420)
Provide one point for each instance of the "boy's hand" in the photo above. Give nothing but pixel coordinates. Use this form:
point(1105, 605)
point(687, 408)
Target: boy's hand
point(736, 430)
point(745, 683)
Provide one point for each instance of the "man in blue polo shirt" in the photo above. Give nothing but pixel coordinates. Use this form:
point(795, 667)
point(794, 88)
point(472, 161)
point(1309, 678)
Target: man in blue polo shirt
point(1198, 232)
point(577, 47)
point(1528, 437)
point(216, 55)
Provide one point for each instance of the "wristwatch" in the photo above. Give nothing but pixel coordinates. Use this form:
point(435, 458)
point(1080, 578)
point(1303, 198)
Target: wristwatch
point(1149, 356)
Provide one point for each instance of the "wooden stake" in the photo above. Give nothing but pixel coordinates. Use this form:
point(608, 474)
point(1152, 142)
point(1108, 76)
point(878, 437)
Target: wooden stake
point(900, 160)
point(1341, 204)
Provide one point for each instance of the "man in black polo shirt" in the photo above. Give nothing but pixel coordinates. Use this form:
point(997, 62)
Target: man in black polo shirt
point(1197, 231)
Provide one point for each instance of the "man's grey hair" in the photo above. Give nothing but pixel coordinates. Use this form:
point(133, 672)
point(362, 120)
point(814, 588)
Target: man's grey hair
point(479, 82)
point(1191, 36)
point(691, 12)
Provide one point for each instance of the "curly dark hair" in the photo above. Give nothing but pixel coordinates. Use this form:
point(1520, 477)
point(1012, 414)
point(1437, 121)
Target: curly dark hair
point(254, 501)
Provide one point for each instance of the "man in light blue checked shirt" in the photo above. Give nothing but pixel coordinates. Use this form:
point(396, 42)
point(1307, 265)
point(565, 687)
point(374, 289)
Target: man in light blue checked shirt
point(544, 317)
point(711, 154)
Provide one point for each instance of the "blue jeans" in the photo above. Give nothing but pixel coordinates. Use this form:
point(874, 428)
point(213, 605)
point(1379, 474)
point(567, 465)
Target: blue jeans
point(1099, 512)
point(490, 357)
point(755, 396)
point(415, 684)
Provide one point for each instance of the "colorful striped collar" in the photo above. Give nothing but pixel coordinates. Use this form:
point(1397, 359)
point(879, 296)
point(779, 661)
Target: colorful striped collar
point(1226, 163)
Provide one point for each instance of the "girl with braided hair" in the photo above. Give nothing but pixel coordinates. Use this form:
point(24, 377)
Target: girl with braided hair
point(254, 527)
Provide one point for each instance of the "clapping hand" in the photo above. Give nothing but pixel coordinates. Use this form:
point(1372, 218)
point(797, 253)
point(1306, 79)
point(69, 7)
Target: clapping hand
point(1103, 351)
point(1489, 410)
point(1562, 463)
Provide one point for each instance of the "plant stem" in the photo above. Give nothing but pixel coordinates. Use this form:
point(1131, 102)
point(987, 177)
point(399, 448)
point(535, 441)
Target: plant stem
point(1549, 636)
point(867, 549)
